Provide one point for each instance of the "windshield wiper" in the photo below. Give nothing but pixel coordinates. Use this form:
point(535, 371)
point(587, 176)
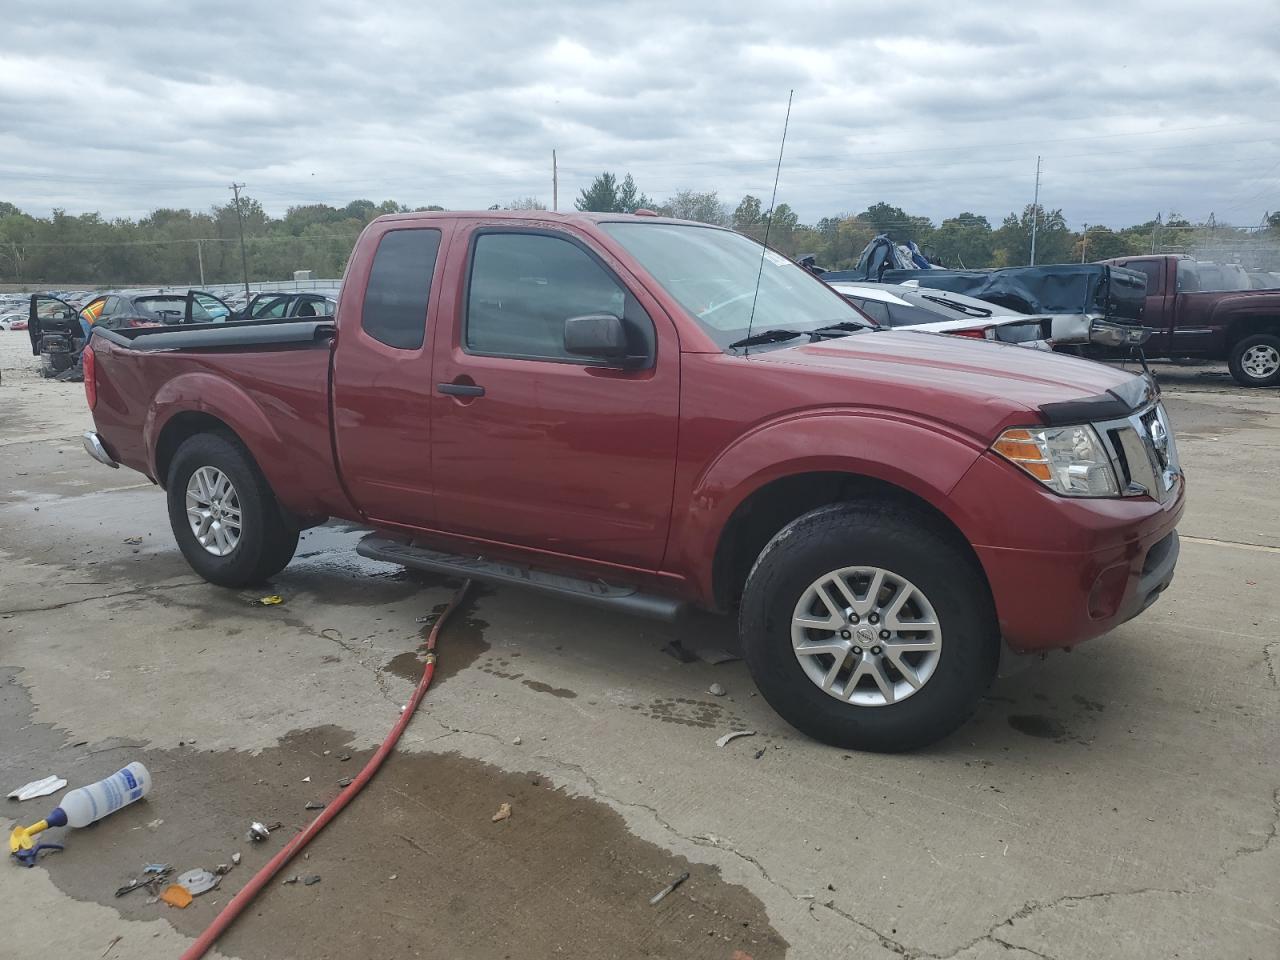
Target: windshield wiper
point(766, 336)
point(844, 326)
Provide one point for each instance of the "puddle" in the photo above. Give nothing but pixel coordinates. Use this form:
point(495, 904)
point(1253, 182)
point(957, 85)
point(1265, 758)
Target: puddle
point(561, 876)
point(465, 641)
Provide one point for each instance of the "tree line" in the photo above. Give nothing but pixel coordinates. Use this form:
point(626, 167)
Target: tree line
point(180, 246)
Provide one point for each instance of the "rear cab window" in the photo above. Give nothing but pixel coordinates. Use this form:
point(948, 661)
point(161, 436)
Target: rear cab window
point(394, 311)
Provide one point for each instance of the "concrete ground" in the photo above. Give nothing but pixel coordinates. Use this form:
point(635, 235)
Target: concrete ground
point(1120, 801)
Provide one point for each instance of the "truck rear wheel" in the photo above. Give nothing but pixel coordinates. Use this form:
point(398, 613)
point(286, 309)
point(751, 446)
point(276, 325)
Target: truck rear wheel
point(224, 515)
point(867, 627)
point(1255, 361)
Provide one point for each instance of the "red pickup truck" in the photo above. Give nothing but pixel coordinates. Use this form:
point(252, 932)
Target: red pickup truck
point(1192, 315)
point(647, 414)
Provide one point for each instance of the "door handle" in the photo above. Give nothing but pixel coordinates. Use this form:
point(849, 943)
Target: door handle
point(461, 389)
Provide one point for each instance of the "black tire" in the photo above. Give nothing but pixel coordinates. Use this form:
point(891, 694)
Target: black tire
point(1236, 360)
point(266, 543)
point(911, 544)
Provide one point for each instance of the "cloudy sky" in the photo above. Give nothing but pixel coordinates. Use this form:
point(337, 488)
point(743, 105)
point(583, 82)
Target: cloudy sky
point(936, 107)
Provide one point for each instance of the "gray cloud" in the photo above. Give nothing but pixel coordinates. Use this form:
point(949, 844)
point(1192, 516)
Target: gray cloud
point(937, 108)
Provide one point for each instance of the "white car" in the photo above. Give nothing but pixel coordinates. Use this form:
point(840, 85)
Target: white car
point(940, 311)
point(9, 319)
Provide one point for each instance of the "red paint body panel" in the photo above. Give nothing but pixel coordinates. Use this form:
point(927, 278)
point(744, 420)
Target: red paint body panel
point(1197, 323)
point(632, 475)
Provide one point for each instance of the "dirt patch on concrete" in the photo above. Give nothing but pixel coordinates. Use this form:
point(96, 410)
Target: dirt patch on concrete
point(466, 639)
point(414, 867)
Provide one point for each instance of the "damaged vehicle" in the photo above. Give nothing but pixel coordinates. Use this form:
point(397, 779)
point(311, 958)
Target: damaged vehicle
point(1090, 304)
point(938, 311)
point(648, 415)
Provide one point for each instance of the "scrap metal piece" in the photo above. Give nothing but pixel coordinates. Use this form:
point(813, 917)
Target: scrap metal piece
point(308, 881)
point(198, 881)
point(662, 894)
point(734, 735)
point(38, 788)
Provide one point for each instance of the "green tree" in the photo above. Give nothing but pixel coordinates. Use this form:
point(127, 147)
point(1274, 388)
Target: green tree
point(964, 241)
point(748, 217)
point(702, 207)
point(526, 203)
point(1012, 242)
point(1103, 243)
point(601, 196)
point(630, 198)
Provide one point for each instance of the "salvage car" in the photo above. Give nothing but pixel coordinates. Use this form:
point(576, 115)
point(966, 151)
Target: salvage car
point(1199, 309)
point(647, 415)
point(13, 321)
point(937, 311)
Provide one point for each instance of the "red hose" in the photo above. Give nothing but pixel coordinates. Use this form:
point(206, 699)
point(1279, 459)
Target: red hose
point(260, 879)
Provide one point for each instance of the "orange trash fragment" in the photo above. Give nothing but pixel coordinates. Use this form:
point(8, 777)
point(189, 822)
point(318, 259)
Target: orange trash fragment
point(176, 895)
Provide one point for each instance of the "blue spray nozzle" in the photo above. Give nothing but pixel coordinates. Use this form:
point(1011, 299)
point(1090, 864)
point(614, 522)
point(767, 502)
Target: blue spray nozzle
point(27, 857)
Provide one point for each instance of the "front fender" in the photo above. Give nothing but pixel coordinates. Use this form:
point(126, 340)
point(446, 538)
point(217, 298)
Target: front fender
point(921, 457)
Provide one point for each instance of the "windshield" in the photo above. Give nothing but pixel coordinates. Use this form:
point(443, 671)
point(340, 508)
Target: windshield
point(712, 273)
point(169, 309)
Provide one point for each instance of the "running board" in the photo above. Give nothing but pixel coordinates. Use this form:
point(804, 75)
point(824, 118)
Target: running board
point(595, 592)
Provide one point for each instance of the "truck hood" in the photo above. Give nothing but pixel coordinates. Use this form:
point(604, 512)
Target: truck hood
point(976, 385)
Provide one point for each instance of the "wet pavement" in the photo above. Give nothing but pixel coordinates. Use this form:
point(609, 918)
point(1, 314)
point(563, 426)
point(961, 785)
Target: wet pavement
point(1117, 802)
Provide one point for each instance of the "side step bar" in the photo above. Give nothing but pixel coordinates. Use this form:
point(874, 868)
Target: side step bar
point(595, 592)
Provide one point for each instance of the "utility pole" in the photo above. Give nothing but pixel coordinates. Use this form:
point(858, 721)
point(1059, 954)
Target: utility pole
point(244, 257)
point(1035, 213)
point(555, 183)
point(1155, 228)
point(200, 257)
point(1084, 242)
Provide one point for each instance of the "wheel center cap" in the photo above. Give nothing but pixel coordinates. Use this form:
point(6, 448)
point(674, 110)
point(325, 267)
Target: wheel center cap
point(866, 634)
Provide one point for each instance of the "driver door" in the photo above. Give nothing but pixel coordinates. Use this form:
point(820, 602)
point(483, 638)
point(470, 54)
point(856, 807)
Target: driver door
point(531, 445)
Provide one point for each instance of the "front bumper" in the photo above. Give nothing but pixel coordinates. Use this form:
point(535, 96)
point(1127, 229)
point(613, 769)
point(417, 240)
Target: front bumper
point(1068, 570)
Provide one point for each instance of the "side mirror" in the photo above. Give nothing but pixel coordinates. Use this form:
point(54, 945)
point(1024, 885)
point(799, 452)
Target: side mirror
point(598, 335)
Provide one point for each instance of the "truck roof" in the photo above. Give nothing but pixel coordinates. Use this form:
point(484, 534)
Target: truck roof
point(575, 216)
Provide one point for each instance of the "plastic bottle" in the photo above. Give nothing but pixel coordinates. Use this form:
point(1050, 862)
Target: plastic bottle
point(84, 805)
point(81, 807)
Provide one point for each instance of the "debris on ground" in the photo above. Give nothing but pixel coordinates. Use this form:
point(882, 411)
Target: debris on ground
point(235, 859)
point(157, 868)
point(714, 655)
point(306, 779)
point(259, 831)
point(344, 782)
point(270, 601)
point(132, 541)
point(38, 788)
point(198, 881)
point(734, 735)
point(674, 649)
point(665, 891)
point(759, 754)
point(176, 895)
point(504, 813)
point(114, 940)
point(717, 690)
point(293, 879)
point(313, 805)
point(516, 741)
point(308, 881)
point(344, 757)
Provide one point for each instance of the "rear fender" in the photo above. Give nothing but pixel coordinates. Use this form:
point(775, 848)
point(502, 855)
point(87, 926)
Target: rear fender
point(218, 397)
point(922, 458)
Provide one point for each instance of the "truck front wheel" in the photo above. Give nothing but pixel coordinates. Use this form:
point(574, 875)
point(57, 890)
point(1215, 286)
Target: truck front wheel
point(224, 515)
point(866, 626)
point(1255, 361)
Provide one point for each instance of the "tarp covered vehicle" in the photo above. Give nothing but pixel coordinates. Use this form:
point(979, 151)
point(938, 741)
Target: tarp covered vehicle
point(1091, 303)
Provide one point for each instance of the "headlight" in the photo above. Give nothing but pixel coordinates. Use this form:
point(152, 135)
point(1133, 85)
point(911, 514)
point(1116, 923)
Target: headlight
point(1068, 460)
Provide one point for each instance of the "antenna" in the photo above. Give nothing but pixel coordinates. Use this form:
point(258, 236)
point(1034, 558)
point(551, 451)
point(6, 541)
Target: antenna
point(769, 223)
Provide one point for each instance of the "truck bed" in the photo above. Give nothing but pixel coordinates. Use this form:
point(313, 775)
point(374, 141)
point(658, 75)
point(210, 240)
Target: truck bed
point(220, 336)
